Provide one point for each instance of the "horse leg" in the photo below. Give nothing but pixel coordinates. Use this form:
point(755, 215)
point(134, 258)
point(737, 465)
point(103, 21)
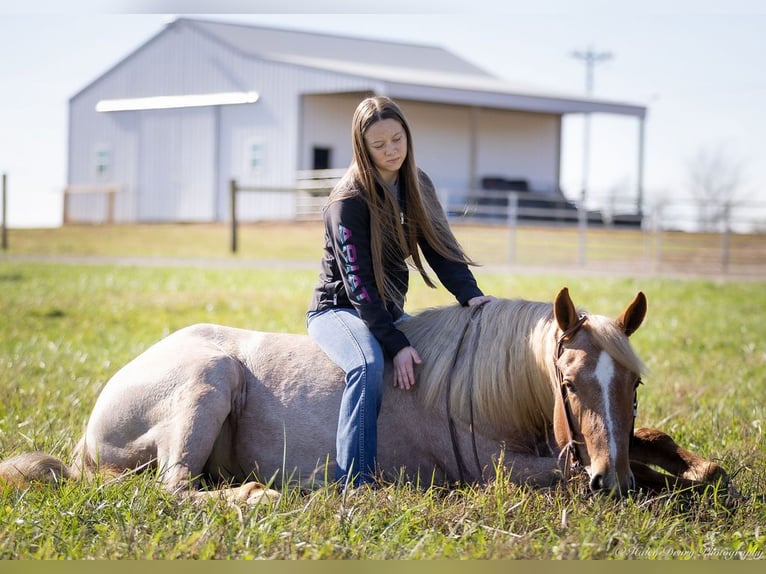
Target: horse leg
point(653, 481)
point(191, 437)
point(183, 456)
point(654, 447)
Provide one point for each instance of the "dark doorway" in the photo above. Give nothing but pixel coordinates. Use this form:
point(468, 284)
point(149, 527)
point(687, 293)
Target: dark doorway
point(322, 157)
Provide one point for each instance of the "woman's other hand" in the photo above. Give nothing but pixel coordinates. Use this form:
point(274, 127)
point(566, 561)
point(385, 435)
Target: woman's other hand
point(404, 368)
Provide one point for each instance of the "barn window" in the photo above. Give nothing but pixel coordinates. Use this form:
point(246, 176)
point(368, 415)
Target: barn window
point(254, 157)
point(103, 162)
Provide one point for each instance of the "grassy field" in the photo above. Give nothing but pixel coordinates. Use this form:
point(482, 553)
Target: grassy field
point(67, 328)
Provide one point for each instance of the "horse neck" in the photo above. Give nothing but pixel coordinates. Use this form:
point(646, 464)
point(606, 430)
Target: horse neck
point(509, 388)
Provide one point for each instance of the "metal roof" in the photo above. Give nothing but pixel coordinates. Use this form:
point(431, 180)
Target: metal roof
point(414, 71)
point(283, 45)
point(400, 70)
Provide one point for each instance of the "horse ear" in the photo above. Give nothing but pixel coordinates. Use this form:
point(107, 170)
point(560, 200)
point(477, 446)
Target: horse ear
point(564, 310)
point(633, 315)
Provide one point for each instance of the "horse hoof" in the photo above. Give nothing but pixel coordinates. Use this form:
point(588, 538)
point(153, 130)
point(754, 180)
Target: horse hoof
point(254, 493)
point(707, 472)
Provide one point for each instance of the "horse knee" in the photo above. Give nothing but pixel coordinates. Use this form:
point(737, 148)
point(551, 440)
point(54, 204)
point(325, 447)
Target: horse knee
point(176, 478)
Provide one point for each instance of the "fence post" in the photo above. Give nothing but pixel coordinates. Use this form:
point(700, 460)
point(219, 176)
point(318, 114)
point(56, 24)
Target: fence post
point(582, 232)
point(233, 202)
point(658, 226)
point(5, 212)
point(725, 237)
point(513, 217)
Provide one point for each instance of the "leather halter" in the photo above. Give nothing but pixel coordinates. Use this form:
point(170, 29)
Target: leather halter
point(573, 457)
point(462, 467)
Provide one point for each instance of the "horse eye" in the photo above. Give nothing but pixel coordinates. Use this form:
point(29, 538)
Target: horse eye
point(569, 385)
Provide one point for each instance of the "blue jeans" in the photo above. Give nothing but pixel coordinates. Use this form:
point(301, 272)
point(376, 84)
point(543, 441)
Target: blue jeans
point(350, 345)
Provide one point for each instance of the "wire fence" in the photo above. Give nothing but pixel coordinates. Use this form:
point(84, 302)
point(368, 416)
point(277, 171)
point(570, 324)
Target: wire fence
point(549, 231)
point(662, 236)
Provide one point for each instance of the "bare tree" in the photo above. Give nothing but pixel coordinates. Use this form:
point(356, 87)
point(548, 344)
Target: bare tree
point(714, 183)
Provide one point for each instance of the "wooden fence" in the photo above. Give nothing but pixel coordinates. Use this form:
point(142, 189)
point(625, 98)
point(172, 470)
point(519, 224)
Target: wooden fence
point(108, 190)
point(310, 191)
point(545, 230)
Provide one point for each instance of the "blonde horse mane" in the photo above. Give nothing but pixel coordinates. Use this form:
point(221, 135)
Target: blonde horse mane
point(513, 381)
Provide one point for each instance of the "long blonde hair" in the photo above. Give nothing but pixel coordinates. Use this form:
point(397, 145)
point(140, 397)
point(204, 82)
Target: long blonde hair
point(425, 217)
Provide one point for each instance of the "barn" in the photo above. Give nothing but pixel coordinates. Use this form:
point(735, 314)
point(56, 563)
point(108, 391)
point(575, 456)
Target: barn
point(160, 135)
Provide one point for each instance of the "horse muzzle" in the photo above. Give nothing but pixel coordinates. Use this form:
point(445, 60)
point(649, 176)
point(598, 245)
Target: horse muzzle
point(607, 481)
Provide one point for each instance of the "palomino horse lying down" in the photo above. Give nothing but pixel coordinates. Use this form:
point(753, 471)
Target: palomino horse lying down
point(534, 385)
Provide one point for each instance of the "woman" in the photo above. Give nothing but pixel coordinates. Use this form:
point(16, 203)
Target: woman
point(376, 218)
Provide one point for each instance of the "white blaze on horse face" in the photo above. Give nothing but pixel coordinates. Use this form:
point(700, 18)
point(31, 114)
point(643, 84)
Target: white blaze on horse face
point(604, 374)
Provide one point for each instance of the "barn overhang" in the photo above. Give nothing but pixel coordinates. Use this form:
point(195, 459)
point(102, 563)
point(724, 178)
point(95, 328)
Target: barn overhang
point(533, 103)
point(466, 89)
point(490, 94)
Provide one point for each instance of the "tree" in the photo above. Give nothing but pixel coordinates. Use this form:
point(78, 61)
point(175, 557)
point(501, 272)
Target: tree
point(714, 183)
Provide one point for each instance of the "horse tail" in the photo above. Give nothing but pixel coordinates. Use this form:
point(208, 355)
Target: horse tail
point(26, 468)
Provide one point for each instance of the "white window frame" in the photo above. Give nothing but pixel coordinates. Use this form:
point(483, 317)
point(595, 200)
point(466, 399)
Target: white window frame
point(255, 157)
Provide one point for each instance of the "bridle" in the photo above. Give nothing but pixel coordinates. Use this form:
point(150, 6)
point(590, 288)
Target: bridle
point(462, 467)
point(573, 462)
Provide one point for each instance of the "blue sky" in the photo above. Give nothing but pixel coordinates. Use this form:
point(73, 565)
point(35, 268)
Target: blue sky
point(697, 65)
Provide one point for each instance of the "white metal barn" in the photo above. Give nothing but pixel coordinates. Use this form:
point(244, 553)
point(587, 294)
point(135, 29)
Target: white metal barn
point(204, 102)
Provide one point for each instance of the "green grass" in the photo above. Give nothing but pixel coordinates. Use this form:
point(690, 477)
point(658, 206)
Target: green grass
point(66, 329)
point(530, 246)
point(265, 240)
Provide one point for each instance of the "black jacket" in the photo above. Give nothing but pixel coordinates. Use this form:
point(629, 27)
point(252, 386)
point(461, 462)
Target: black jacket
point(347, 278)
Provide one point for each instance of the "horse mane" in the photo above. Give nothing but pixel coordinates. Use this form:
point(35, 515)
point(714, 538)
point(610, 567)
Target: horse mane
point(514, 378)
point(513, 372)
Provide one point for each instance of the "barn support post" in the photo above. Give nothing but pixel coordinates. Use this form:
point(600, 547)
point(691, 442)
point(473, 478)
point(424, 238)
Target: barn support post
point(640, 169)
point(473, 155)
point(233, 202)
point(5, 212)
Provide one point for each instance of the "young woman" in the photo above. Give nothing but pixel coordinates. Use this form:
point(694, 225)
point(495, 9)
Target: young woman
point(383, 212)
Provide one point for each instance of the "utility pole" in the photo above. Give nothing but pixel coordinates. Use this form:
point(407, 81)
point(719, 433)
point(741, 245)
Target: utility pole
point(591, 58)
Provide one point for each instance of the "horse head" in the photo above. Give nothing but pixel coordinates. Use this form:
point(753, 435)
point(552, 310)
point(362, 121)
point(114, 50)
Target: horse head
point(598, 374)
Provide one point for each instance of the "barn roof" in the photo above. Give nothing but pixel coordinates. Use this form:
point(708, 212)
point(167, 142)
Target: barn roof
point(282, 44)
point(400, 70)
point(414, 71)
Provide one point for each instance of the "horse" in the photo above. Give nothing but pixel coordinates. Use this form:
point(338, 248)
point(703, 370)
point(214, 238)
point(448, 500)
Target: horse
point(542, 389)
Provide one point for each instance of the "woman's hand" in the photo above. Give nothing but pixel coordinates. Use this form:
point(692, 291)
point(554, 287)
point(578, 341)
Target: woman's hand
point(404, 368)
point(481, 300)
